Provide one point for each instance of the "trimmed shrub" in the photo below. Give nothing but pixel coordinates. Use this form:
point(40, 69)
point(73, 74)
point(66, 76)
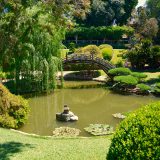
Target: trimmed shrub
point(139, 75)
point(157, 89)
point(119, 63)
point(72, 47)
point(102, 46)
point(126, 80)
point(100, 33)
point(138, 136)
point(90, 49)
point(143, 87)
point(2, 75)
point(107, 53)
point(119, 71)
point(158, 85)
point(13, 109)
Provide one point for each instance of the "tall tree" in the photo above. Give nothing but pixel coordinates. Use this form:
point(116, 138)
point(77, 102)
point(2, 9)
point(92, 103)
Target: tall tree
point(145, 27)
point(105, 12)
point(154, 8)
point(31, 37)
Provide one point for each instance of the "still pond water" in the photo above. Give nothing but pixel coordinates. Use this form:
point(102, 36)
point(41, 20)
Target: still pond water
point(90, 105)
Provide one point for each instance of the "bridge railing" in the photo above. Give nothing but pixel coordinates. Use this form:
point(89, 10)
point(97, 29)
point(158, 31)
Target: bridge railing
point(106, 65)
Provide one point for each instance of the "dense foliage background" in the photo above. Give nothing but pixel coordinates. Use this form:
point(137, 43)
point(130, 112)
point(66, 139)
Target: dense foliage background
point(105, 12)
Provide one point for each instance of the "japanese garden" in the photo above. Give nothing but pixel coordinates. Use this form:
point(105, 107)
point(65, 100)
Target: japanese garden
point(79, 79)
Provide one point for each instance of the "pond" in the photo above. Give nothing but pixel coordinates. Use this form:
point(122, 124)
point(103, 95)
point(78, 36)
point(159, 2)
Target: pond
point(90, 105)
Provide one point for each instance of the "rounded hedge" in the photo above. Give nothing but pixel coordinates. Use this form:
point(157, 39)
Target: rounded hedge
point(119, 71)
point(126, 80)
point(119, 63)
point(102, 46)
point(157, 89)
point(13, 109)
point(90, 49)
point(138, 136)
point(143, 87)
point(107, 53)
point(139, 75)
point(158, 85)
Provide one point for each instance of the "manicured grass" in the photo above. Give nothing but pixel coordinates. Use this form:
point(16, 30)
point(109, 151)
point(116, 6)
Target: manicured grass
point(151, 75)
point(16, 146)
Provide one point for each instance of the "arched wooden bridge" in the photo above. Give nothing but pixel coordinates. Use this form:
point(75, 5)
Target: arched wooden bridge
point(88, 59)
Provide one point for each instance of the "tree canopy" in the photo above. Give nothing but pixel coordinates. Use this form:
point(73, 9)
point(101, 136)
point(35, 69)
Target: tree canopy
point(154, 8)
point(105, 12)
point(31, 37)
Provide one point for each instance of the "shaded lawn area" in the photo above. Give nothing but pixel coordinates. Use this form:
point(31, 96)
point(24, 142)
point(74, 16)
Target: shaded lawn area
point(16, 146)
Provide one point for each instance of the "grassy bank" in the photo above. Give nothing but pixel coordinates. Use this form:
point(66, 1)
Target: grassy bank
point(16, 146)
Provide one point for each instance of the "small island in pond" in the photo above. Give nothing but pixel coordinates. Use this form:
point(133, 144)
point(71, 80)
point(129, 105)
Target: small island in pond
point(66, 115)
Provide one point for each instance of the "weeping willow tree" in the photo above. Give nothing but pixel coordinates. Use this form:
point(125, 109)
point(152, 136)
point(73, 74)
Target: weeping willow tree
point(31, 37)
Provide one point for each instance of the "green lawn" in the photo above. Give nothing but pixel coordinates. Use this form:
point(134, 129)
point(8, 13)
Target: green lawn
point(16, 146)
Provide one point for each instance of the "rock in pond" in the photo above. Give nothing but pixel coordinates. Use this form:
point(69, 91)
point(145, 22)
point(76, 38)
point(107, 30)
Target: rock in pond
point(66, 117)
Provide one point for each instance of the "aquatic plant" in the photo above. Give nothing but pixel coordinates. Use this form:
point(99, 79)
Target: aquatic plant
point(66, 132)
point(99, 129)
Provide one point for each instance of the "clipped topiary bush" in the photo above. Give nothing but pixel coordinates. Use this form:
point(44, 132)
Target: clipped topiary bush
point(13, 109)
point(119, 71)
point(102, 46)
point(119, 63)
point(139, 75)
point(143, 87)
point(126, 80)
point(157, 89)
point(107, 53)
point(138, 136)
point(90, 49)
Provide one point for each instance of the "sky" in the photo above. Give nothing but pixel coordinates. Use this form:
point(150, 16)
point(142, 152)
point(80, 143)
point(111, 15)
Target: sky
point(141, 2)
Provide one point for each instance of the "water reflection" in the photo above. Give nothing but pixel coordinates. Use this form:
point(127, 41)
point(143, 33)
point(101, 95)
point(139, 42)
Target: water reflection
point(90, 105)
